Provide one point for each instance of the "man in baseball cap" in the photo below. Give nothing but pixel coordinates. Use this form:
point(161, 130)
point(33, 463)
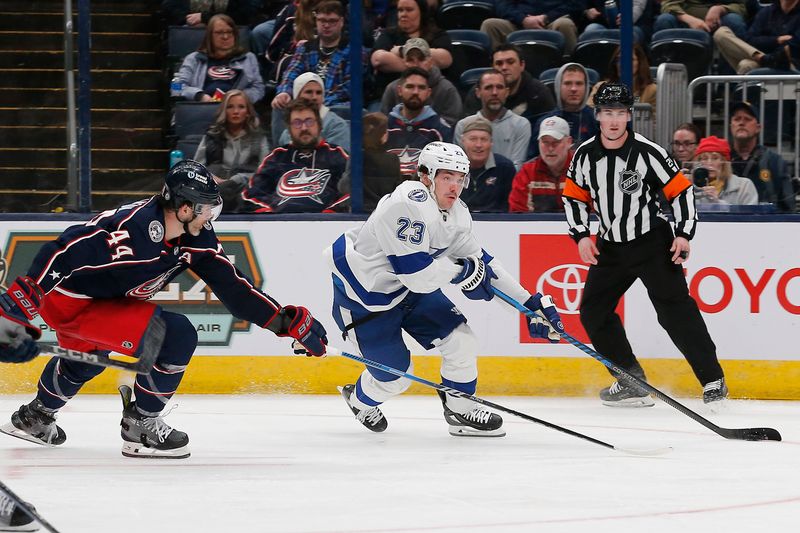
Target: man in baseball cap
point(749, 159)
point(490, 173)
point(538, 184)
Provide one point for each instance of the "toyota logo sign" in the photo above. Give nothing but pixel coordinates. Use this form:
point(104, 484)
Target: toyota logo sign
point(567, 281)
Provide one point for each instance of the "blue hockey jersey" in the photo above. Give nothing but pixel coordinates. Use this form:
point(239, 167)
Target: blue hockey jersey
point(122, 254)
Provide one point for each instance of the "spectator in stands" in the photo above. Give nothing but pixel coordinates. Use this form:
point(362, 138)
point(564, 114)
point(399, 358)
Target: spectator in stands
point(511, 133)
point(490, 174)
point(381, 169)
point(219, 65)
point(412, 124)
point(644, 88)
point(327, 55)
point(301, 177)
point(444, 99)
point(534, 15)
point(768, 42)
point(722, 186)
point(414, 19)
point(335, 129)
point(706, 15)
point(538, 185)
point(233, 146)
point(571, 97)
point(766, 169)
point(199, 12)
point(684, 143)
point(262, 33)
point(527, 96)
point(293, 25)
point(594, 19)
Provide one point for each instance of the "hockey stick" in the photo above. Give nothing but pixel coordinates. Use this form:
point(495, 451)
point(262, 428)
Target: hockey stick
point(728, 433)
point(26, 508)
point(152, 340)
point(143, 365)
point(459, 394)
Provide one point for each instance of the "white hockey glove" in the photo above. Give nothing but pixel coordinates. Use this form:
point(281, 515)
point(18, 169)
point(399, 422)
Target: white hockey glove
point(475, 278)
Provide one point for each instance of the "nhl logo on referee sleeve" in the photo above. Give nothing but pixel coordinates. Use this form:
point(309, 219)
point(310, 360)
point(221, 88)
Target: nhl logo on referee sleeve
point(630, 181)
point(156, 231)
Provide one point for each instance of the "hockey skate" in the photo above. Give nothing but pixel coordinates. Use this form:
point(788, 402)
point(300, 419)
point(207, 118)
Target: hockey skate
point(35, 423)
point(715, 392)
point(151, 437)
point(621, 394)
point(477, 422)
point(371, 418)
point(13, 518)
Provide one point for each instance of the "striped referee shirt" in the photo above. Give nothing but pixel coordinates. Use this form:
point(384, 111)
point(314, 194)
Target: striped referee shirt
point(622, 186)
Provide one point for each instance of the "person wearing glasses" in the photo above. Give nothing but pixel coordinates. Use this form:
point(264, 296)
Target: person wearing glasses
point(684, 143)
point(327, 55)
point(219, 65)
point(302, 176)
point(388, 276)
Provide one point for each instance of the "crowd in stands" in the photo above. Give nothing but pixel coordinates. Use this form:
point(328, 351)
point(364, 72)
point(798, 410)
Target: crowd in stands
point(291, 72)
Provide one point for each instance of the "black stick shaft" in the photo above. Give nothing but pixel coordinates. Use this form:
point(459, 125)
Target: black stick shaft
point(27, 509)
point(740, 434)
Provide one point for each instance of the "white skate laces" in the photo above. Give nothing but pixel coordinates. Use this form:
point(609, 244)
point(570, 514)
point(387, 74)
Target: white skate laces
point(372, 416)
point(478, 415)
point(712, 386)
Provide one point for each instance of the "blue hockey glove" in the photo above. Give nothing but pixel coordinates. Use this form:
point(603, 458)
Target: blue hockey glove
point(547, 322)
point(475, 278)
point(309, 335)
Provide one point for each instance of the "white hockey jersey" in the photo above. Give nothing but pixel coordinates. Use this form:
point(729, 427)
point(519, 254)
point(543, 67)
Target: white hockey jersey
point(409, 244)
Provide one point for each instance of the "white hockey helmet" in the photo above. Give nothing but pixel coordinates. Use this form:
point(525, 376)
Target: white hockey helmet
point(438, 156)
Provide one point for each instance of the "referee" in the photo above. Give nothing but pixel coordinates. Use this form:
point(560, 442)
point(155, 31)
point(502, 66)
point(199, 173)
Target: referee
point(619, 173)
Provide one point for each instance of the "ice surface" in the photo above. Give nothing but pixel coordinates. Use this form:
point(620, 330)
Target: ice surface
point(304, 464)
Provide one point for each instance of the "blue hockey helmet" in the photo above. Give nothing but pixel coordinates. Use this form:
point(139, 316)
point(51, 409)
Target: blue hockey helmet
point(191, 182)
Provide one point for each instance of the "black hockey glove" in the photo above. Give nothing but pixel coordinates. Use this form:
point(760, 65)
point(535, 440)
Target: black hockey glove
point(475, 278)
point(309, 335)
point(17, 335)
point(547, 322)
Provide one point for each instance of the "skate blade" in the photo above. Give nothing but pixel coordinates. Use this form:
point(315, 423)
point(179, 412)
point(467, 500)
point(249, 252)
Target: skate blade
point(466, 431)
point(645, 401)
point(10, 429)
point(27, 528)
point(140, 451)
point(718, 406)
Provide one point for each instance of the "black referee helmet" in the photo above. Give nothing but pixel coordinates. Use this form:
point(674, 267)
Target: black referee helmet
point(613, 94)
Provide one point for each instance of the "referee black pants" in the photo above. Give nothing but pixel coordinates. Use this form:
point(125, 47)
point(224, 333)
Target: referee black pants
point(646, 258)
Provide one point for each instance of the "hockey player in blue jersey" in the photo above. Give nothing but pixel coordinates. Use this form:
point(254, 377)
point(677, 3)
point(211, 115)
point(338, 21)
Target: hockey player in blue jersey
point(91, 285)
point(387, 278)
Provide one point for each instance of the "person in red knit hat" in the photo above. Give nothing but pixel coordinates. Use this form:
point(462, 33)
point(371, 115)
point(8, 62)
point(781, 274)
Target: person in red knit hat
point(713, 179)
point(538, 185)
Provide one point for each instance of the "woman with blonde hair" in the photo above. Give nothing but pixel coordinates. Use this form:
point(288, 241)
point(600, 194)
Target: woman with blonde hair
point(713, 178)
point(220, 65)
point(234, 145)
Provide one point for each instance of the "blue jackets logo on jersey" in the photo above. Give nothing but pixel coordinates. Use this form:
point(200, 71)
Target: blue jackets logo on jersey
point(303, 183)
point(408, 159)
point(630, 181)
point(418, 195)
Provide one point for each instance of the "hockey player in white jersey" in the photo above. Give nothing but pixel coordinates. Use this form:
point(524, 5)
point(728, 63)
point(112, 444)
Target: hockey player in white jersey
point(387, 278)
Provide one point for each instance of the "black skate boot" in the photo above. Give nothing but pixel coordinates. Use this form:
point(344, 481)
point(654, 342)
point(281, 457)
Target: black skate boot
point(715, 391)
point(372, 418)
point(624, 394)
point(35, 423)
point(13, 518)
point(476, 422)
point(149, 436)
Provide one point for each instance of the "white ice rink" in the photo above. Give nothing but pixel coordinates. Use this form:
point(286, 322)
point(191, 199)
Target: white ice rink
point(304, 464)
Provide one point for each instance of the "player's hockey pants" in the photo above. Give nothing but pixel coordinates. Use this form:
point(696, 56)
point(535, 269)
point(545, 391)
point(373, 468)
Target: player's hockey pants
point(62, 379)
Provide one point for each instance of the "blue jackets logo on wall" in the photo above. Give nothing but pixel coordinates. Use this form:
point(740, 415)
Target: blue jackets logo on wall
point(418, 195)
point(630, 181)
